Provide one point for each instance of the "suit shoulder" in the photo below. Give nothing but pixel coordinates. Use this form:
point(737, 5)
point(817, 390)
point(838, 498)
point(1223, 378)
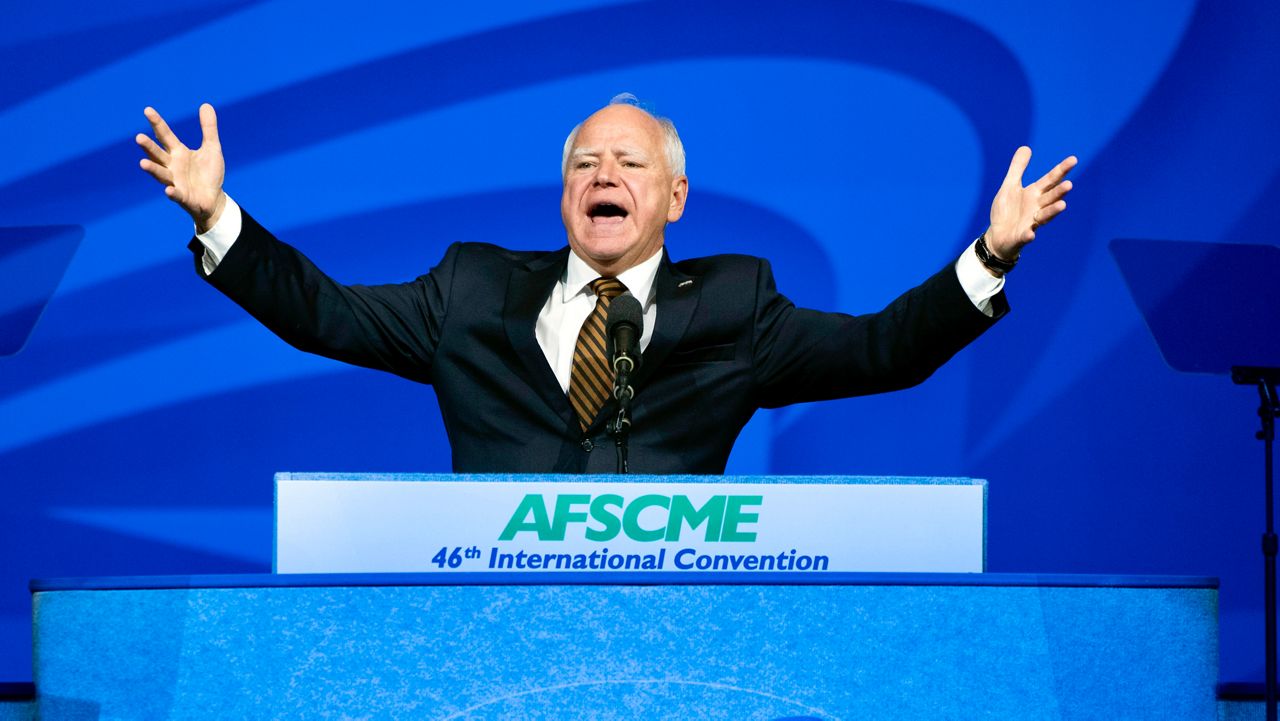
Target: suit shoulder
point(729, 264)
point(490, 254)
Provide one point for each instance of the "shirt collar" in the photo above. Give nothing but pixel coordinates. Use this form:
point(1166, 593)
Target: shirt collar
point(638, 278)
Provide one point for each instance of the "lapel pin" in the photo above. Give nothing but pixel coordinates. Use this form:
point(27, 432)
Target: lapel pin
point(685, 284)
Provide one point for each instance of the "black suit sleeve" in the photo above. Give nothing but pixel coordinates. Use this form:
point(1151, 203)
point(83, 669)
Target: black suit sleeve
point(805, 355)
point(394, 328)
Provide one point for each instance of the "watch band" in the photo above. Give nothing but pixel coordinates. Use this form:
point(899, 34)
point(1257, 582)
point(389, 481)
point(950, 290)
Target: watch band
point(989, 259)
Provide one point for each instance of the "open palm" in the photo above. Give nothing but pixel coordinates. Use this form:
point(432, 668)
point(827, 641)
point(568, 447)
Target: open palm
point(1018, 212)
point(192, 178)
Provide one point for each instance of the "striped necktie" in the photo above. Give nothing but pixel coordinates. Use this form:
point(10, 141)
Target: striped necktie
point(591, 380)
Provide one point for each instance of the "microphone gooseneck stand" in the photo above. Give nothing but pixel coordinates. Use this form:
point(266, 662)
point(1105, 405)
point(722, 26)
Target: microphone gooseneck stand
point(1266, 380)
point(620, 427)
point(623, 328)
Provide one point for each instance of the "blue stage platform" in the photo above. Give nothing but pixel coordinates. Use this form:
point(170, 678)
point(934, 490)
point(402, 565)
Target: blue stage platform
point(542, 646)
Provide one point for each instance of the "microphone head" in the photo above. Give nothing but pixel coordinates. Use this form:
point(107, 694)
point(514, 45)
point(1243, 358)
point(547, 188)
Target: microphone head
point(624, 309)
point(623, 327)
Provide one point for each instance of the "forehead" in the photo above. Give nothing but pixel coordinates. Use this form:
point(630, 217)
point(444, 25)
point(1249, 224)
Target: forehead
point(620, 125)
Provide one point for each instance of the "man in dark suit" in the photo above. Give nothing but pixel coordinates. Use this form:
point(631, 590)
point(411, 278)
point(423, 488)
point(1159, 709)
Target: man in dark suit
point(511, 340)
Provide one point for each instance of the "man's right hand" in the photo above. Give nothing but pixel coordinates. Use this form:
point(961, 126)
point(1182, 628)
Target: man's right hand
point(192, 178)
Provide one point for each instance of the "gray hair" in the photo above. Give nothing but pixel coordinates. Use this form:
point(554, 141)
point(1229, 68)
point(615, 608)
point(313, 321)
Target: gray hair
point(671, 139)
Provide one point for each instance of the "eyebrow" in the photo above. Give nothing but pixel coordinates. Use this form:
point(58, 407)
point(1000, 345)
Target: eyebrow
point(623, 150)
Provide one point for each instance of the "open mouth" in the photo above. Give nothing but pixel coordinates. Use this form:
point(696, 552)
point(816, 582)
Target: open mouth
point(606, 213)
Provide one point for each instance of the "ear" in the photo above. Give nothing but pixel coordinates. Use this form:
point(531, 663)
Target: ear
point(679, 192)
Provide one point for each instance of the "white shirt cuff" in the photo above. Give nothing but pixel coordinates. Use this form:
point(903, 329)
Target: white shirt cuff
point(219, 239)
point(978, 284)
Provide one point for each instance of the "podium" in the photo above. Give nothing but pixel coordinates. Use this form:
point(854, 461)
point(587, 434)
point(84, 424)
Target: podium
point(538, 646)
point(604, 644)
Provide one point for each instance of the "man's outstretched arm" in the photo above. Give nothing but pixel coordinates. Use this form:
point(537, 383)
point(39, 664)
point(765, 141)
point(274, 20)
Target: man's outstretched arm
point(805, 355)
point(387, 327)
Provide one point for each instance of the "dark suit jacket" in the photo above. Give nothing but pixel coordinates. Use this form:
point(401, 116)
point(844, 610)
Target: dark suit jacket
point(726, 343)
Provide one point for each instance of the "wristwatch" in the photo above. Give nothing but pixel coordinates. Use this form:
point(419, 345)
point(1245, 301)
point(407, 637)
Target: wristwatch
point(999, 266)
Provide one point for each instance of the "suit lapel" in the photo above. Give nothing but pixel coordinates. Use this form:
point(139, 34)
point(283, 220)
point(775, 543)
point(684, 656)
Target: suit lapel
point(527, 292)
point(677, 298)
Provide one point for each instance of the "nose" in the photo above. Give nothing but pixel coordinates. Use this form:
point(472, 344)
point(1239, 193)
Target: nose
point(606, 173)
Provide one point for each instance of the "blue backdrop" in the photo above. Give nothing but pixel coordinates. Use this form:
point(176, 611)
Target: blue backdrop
point(856, 144)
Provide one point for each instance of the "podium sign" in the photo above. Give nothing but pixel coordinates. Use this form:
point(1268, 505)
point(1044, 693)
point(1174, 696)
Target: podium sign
point(366, 523)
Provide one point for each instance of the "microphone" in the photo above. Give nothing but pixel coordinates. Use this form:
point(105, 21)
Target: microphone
point(624, 325)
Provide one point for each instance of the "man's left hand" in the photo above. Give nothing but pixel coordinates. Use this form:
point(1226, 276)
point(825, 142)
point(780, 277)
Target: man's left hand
point(1018, 212)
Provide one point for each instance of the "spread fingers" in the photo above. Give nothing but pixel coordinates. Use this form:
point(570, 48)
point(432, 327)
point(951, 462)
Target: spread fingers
point(156, 170)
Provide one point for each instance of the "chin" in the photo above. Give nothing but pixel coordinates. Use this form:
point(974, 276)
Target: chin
point(607, 248)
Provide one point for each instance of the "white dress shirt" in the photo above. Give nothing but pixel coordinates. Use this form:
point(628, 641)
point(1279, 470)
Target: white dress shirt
point(571, 301)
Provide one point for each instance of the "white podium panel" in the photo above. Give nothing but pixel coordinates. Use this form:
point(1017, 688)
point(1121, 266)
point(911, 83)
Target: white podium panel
point(369, 523)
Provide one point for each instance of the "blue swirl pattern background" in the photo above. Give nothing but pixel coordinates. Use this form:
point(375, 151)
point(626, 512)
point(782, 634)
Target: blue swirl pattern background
point(856, 145)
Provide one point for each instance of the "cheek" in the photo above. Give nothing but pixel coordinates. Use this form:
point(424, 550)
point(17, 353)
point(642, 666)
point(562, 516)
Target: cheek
point(566, 203)
point(653, 203)
point(574, 189)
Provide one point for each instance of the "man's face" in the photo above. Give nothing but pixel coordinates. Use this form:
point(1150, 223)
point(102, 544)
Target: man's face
point(619, 192)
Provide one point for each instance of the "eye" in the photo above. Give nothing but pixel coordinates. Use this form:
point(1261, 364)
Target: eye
point(631, 164)
point(584, 164)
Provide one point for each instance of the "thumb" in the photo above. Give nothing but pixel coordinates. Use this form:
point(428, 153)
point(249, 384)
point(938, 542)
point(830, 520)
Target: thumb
point(209, 125)
point(1017, 166)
